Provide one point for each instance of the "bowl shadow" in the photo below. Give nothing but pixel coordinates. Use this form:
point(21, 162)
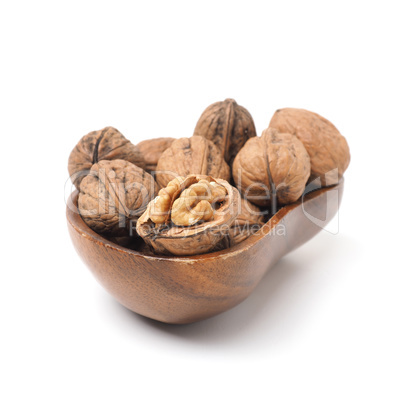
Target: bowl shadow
point(277, 310)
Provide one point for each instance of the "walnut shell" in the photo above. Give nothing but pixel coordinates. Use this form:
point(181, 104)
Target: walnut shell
point(194, 155)
point(151, 151)
point(228, 126)
point(248, 222)
point(328, 149)
point(272, 167)
point(198, 238)
point(106, 144)
point(113, 195)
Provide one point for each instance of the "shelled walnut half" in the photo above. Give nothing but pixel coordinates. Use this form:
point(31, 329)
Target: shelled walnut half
point(106, 144)
point(190, 216)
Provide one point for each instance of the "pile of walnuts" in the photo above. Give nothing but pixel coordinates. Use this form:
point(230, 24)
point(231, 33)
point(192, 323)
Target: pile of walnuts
point(206, 192)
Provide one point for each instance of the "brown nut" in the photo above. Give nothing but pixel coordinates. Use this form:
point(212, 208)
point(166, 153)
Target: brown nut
point(328, 149)
point(190, 216)
point(194, 203)
point(194, 155)
point(113, 195)
point(248, 222)
point(228, 126)
point(151, 151)
point(272, 167)
point(106, 144)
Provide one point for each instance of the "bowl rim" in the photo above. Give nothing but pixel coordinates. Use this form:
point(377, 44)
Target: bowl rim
point(75, 220)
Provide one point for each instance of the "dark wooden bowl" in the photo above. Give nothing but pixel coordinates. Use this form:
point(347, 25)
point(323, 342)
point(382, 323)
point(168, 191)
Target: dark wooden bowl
point(187, 289)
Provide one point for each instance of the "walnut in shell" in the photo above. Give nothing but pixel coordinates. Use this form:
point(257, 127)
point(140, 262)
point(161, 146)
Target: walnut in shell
point(106, 144)
point(113, 195)
point(190, 216)
point(270, 168)
point(151, 151)
point(248, 221)
point(194, 155)
point(228, 126)
point(328, 149)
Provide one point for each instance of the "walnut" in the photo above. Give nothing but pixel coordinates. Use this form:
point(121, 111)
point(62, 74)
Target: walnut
point(196, 202)
point(193, 204)
point(248, 222)
point(270, 168)
point(194, 155)
point(328, 149)
point(106, 144)
point(228, 126)
point(151, 151)
point(113, 195)
point(190, 216)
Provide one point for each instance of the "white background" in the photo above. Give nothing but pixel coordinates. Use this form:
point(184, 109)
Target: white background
point(325, 323)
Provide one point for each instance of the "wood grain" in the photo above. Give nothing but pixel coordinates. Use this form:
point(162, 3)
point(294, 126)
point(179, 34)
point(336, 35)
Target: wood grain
point(187, 289)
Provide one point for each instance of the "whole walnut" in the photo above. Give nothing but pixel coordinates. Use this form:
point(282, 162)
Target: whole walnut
point(113, 195)
point(248, 221)
point(106, 144)
point(151, 151)
point(191, 215)
point(228, 126)
point(270, 168)
point(328, 149)
point(194, 155)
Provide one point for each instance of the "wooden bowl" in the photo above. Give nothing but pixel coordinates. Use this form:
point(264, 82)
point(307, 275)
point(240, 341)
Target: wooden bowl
point(187, 289)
